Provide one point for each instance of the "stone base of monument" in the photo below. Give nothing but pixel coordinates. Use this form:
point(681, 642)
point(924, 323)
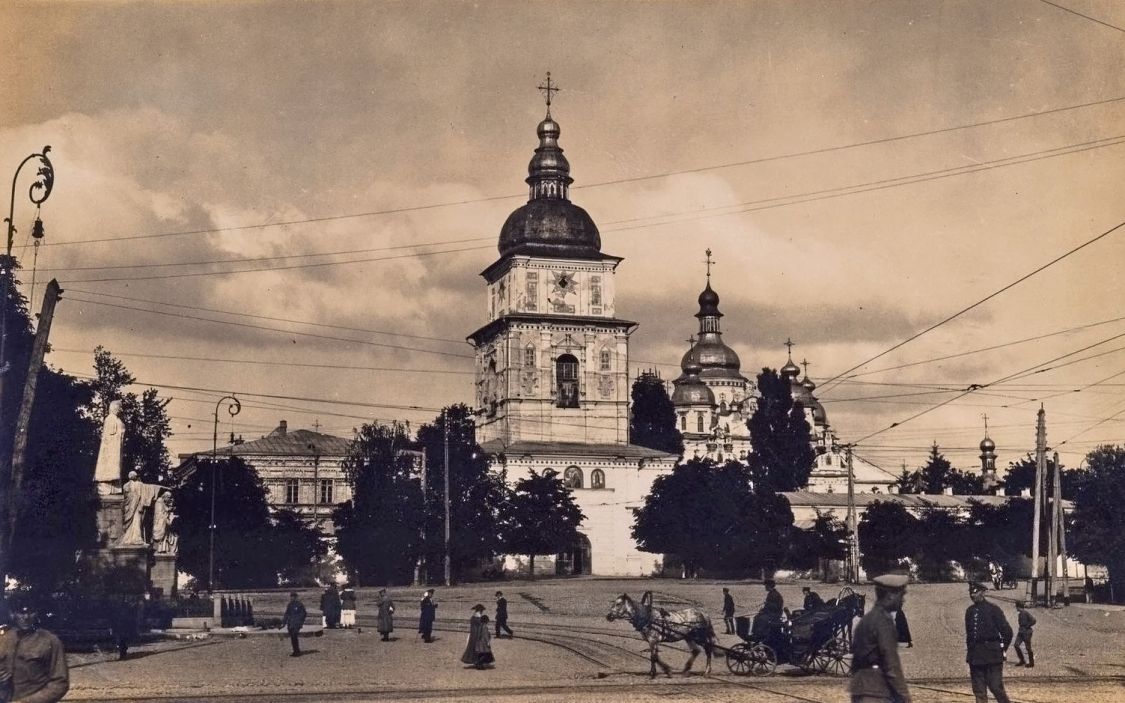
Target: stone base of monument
point(162, 575)
point(109, 518)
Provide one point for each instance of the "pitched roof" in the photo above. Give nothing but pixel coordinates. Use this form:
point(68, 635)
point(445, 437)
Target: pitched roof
point(573, 449)
point(911, 500)
point(278, 443)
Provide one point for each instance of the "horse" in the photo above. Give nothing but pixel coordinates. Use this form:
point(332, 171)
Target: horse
point(657, 625)
point(845, 609)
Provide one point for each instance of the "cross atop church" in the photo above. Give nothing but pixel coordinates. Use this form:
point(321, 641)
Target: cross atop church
point(805, 363)
point(709, 261)
point(789, 343)
point(985, 416)
point(691, 342)
point(316, 424)
point(547, 89)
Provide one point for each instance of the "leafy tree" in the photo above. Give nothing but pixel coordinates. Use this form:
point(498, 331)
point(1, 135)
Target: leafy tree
point(110, 379)
point(909, 482)
point(145, 418)
point(477, 494)
point(252, 549)
point(1020, 476)
point(653, 420)
point(299, 548)
point(378, 531)
point(825, 540)
point(543, 517)
point(937, 475)
point(938, 543)
point(1098, 532)
point(886, 533)
point(1000, 533)
point(782, 457)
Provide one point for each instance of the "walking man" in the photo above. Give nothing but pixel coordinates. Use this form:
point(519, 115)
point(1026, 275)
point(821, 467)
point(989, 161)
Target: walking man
point(294, 620)
point(1023, 636)
point(987, 637)
point(32, 660)
point(502, 615)
point(429, 614)
point(876, 670)
point(728, 611)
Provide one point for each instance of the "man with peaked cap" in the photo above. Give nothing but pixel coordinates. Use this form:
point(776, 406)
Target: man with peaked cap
point(987, 637)
point(32, 660)
point(876, 671)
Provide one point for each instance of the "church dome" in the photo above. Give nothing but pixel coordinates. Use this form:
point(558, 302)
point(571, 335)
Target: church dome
point(690, 389)
point(716, 358)
point(819, 416)
point(987, 445)
point(549, 224)
point(709, 302)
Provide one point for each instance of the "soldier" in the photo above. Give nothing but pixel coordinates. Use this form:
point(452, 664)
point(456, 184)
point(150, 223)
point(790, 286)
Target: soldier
point(294, 620)
point(987, 636)
point(32, 660)
point(502, 616)
point(876, 671)
point(1023, 636)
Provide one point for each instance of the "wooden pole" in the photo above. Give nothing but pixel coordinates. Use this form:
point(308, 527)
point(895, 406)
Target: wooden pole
point(1053, 534)
point(1040, 468)
point(853, 537)
point(1060, 530)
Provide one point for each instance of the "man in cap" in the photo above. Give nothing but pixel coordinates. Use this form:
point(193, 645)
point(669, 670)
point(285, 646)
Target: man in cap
point(876, 671)
point(294, 620)
point(32, 660)
point(987, 637)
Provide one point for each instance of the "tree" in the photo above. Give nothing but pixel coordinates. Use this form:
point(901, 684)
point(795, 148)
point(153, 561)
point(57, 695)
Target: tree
point(543, 517)
point(886, 536)
point(378, 531)
point(653, 420)
point(145, 418)
point(110, 379)
point(938, 475)
point(298, 548)
point(477, 494)
point(1020, 477)
point(253, 549)
point(825, 540)
point(1098, 522)
point(782, 457)
point(938, 543)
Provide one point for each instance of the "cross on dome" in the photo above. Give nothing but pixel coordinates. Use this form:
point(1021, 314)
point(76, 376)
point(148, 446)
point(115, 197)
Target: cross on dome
point(789, 343)
point(709, 261)
point(547, 89)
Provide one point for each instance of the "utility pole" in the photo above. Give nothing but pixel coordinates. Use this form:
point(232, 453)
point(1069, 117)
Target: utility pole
point(1040, 469)
point(1059, 540)
point(448, 570)
point(1053, 534)
point(420, 566)
point(853, 538)
point(23, 419)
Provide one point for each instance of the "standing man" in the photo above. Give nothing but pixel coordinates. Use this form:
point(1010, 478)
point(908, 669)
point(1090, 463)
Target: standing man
point(331, 606)
point(1023, 636)
point(294, 620)
point(429, 614)
point(728, 611)
point(502, 615)
point(32, 660)
point(987, 636)
point(384, 620)
point(876, 671)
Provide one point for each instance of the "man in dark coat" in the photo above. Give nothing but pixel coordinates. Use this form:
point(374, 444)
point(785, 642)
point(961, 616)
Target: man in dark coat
point(429, 614)
point(331, 606)
point(502, 615)
point(126, 624)
point(32, 660)
point(876, 671)
point(903, 628)
point(728, 611)
point(384, 619)
point(987, 636)
point(294, 620)
point(1023, 636)
point(813, 601)
point(774, 602)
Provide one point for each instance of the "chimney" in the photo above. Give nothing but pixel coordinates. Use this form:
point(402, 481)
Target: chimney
point(283, 428)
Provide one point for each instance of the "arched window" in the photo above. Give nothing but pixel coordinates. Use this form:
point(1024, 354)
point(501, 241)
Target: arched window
point(604, 359)
point(699, 422)
point(572, 477)
point(683, 422)
point(566, 375)
point(597, 478)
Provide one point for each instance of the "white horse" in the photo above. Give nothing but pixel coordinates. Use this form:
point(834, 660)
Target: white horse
point(657, 625)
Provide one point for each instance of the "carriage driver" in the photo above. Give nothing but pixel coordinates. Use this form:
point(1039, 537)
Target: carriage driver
point(876, 671)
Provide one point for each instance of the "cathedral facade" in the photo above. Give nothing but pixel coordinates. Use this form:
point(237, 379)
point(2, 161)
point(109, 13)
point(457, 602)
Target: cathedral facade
point(552, 368)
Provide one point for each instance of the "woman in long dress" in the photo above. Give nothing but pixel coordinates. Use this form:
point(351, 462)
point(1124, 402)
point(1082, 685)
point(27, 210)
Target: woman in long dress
point(385, 622)
point(478, 648)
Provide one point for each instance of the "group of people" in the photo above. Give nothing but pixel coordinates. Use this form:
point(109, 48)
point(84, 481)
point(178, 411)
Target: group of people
point(877, 675)
point(339, 611)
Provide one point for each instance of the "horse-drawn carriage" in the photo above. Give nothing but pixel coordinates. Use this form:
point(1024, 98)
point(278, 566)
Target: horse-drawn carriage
point(817, 641)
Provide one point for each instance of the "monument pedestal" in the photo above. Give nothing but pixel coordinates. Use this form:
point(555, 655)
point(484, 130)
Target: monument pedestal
point(109, 519)
point(162, 575)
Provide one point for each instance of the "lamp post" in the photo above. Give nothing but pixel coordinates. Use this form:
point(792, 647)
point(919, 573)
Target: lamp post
point(38, 192)
point(233, 408)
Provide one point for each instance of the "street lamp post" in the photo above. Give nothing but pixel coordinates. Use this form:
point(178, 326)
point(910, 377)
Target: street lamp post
point(233, 408)
point(38, 192)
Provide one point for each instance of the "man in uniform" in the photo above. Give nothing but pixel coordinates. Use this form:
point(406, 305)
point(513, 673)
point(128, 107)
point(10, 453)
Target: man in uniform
point(876, 671)
point(502, 615)
point(987, 636)
point(32, 660)
point(728, 611)
point(294, 620)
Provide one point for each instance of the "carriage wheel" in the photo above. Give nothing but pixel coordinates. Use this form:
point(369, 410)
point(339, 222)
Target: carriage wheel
point(834, 658)
point(763, 660)
point(808, 662)
point(739, 659)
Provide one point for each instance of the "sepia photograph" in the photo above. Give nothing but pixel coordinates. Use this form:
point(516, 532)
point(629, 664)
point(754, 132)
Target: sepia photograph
point(515, 350)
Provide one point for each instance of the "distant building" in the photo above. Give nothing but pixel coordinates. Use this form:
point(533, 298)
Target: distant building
point(302, 470)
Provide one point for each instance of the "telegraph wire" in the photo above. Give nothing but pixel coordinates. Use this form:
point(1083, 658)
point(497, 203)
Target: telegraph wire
point(982, 301)
point(1075, 12)
point(734, 164)
point(337, 367)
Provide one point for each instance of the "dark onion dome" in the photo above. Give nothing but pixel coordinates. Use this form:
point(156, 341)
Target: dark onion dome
point(716, 358)
point(808, 384)
point(820, 418)
point(790, 371)
point(708, 303)
point(987, 445)
point(801, 393)
point(549, 224)
point(690, 388)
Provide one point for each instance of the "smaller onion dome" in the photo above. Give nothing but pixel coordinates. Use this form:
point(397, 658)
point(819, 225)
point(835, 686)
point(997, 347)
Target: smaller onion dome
point(819, 416)
point(690, 388)
point(790, 370)
point(708, 302)
point(987, 445)
point(808, 384)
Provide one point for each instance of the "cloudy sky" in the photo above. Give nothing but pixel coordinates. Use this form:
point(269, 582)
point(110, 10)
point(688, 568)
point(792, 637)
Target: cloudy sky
point(293, 202)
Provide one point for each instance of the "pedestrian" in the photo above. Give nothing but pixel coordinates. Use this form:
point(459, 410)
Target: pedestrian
point(728, 611)
point(294, 620)
point(347, 606)
point(903, 628)
point(32, 660)
point(1026, 623)
point(774, 602)
point(125, 624)
point(385, 621)
point(429, 614)
point(478, 648)
point(331, 607)
point(987, 637)
point(876, 670)
point(502, 615)
point(813, 601)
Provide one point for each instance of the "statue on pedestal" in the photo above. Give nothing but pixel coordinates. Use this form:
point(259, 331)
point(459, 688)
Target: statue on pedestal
point(139, 497)
point(164, 541)
point(107, 474)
